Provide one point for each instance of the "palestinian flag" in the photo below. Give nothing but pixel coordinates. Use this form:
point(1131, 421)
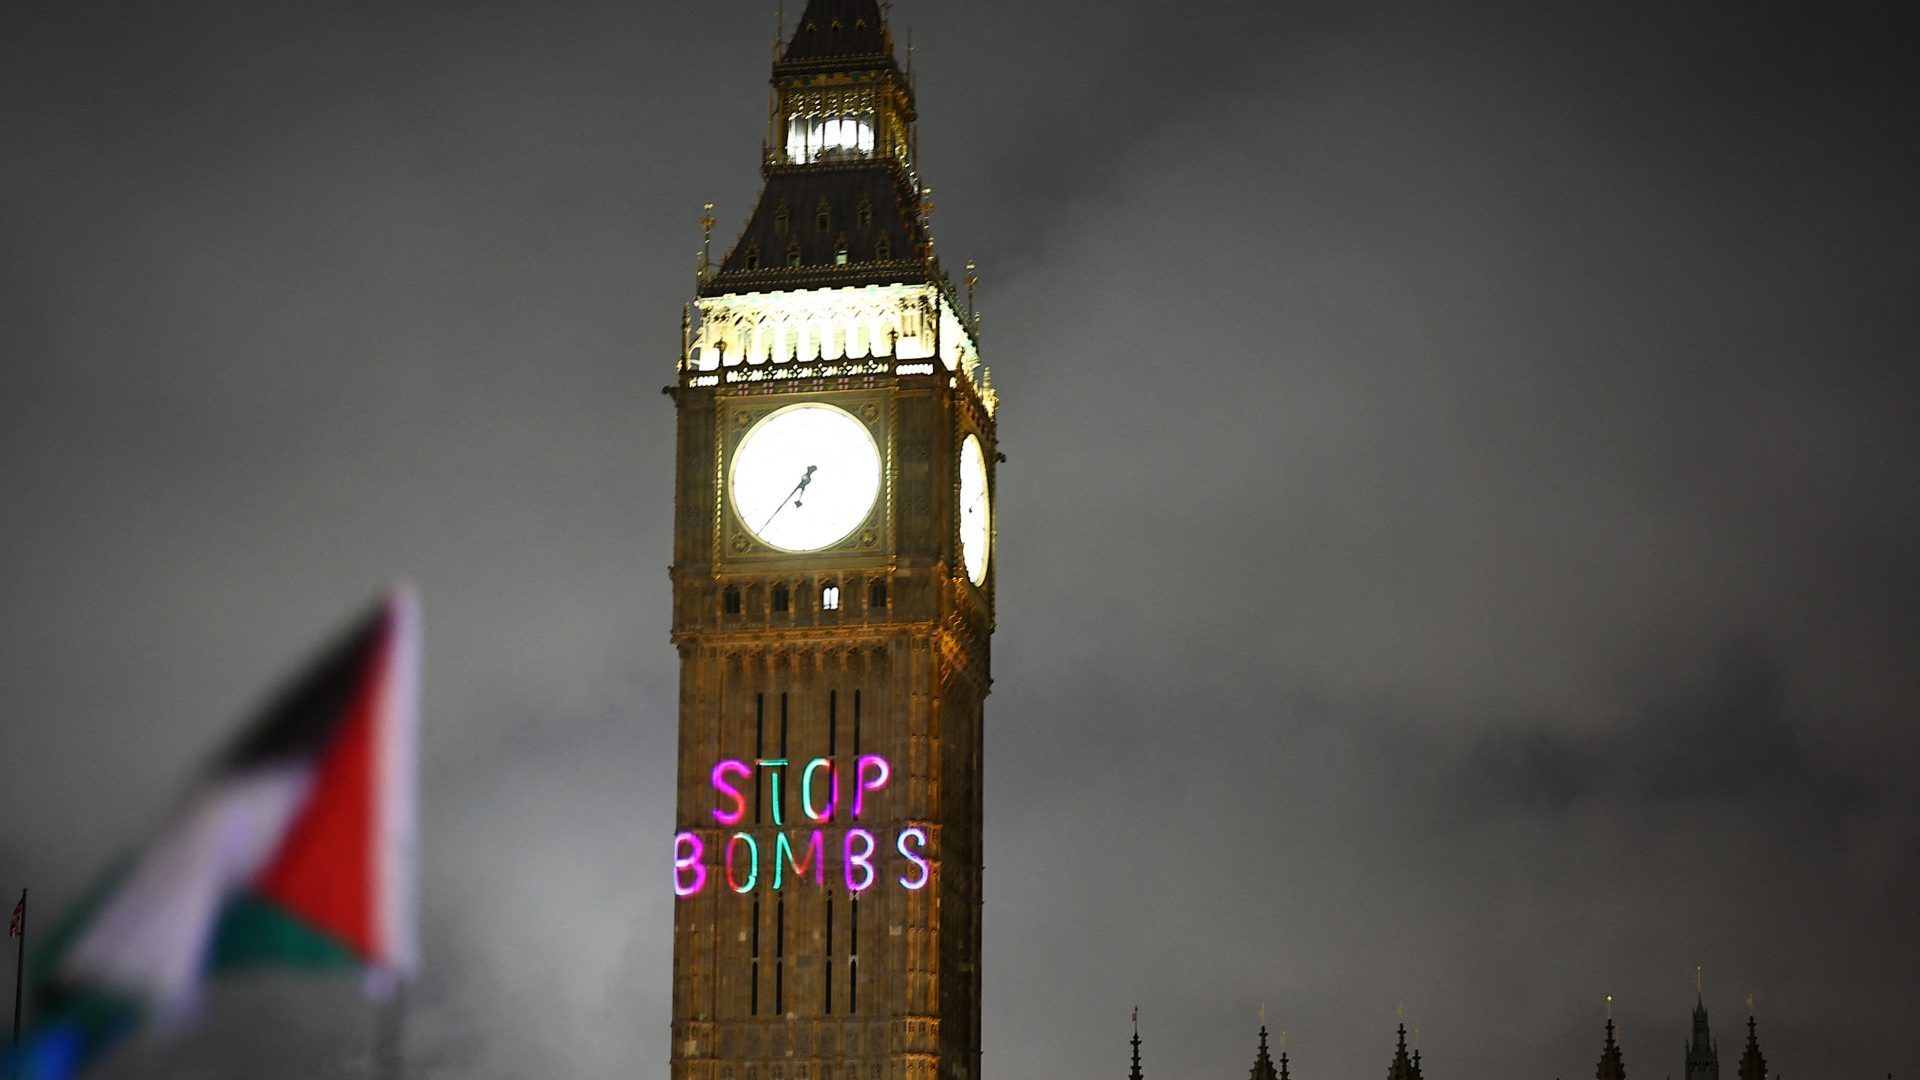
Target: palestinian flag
point(295, 850)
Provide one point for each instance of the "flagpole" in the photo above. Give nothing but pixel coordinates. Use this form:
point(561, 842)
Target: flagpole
point(392, 1034)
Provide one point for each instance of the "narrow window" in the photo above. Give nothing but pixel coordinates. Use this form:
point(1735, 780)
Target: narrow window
point(883, 249)
point(823, 217)
point(853, 956)
point(780, 599)
point(782, 219)
point(759, 754)
point(730, 601)
point(753, 256)
point(793, 253)
point(856, 723)
point(833, 720)
point(755, 967)
point(784, 788)
point(829, 978)
point(840, 255)
point(877, 595)
point(780, 956)
point(865, 216)
point(830, 598)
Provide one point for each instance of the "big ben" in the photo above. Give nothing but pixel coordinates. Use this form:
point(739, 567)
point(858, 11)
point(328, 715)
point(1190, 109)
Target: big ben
point(833, 584)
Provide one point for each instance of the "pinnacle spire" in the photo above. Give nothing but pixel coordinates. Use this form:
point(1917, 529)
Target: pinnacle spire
point(1136, 1074)
point(1403, 1067)
point(1703, 1055)
point(1263, 1061)
point(1611, 1067)
point(1753, 1064)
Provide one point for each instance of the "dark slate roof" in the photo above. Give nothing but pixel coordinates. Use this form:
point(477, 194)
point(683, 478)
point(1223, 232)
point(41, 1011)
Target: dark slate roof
point(842, 189)
point(838, 33)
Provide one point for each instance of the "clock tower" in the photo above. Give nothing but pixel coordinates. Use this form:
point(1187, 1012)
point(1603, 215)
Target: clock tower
point(833, 583)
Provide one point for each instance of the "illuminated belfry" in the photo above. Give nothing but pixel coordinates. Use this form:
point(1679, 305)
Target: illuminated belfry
point(832, 603)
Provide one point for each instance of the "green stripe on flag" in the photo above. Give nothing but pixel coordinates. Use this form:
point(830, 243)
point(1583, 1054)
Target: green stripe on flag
point(254, 931)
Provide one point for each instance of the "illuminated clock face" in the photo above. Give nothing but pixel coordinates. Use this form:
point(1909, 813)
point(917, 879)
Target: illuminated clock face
point(976, 511)
point(805, 477)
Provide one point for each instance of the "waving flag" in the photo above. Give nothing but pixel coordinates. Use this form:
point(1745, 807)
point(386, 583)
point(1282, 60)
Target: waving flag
point(295, 850)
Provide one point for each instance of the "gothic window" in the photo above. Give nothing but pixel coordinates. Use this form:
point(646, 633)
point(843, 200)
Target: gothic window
point(782, 218)
point(883, 249)
point(793, 252)
point(823, 217)
point(780, 599)
point(840, 251)
point(877, 595)
point(730, 601)
point(830, 598)
point(865, 215)
point(753, 256)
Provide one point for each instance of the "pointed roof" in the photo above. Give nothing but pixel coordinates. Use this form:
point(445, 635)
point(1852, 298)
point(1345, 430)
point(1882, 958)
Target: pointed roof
point(1263, 1062)
point(1753, 1064)
point(1612, 1067)
point(835, 35)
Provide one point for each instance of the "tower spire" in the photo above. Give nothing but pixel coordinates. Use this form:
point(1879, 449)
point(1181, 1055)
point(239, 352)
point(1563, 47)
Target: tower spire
point(1611, 1067)
point(1753, 1064)
point(1703, 1055)
point(1403, 1067)
point(1135, 1074)
point(1263, 1061)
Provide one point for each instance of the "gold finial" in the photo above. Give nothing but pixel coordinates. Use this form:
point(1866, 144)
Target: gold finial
point(1283, 1038)
point(1400, 1011)
point(1609, 1006)
point(1749, 1004)
point(971, 280)
point(1263, 1014)
point(1699, 979)
point(706, 238)
point(1416, 1038)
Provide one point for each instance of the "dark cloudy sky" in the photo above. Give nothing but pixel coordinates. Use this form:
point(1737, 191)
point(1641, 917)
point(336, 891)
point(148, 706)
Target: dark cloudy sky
point(1458, 547)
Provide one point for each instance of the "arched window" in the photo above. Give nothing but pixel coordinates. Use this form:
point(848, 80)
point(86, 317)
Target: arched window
point(877, 594)
point(865, 215)
point(793, 252)
point(753, 256)
point(782, 218)
point(780, 599)
point(823, 216)
point(730, 601)
point(883, 249)
point(830, 598)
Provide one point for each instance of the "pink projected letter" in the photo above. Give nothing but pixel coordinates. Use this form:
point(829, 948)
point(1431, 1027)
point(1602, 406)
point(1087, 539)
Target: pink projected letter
point(728, 791)
point(687, 850)
point(918, 835)
point(806, 790)
point(816, 850)
point(862, 859)
point(753, 868)
point(862, 786)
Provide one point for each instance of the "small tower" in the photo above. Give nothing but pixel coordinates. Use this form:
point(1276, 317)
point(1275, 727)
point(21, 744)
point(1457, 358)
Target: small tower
point(1611, 1066)
point(1703, 1056)
point(1753, 1064)
point(1263, 1061)
point(1403, 1067)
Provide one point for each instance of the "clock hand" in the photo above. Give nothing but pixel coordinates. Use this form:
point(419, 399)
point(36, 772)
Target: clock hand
point(799, 489)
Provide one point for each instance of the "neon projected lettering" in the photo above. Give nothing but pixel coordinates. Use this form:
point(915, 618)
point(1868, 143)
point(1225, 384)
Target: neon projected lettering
point(753, 865)
point(861, 787)
point(919, 836)
point(806, 790)
point(799, 854)
point(728, 791)
point(773, 774)
point(816, 850)
point(862, 861)
point(687, 850)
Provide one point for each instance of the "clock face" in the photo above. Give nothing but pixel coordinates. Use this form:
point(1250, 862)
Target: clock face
point(976, 511)
point(805, 477)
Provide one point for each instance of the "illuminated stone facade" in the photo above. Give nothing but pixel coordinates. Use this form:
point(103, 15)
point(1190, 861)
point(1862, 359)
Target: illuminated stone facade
point(827, 862)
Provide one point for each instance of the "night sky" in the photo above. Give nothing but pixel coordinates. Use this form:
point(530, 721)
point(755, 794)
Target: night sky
point(1458, 543)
